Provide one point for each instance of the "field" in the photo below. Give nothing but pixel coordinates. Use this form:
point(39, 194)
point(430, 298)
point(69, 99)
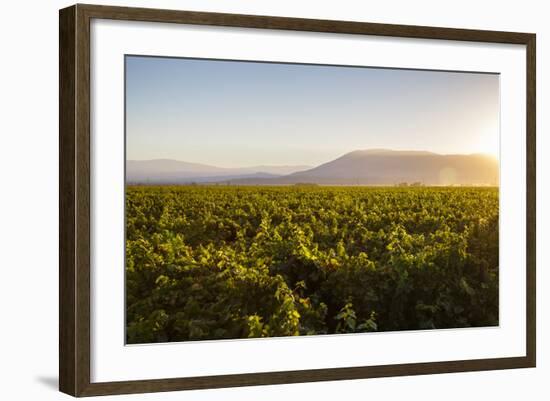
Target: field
point(216, 262)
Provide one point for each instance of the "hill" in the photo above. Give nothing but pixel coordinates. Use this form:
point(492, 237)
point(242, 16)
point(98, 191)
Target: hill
point(168, 171)
point(390, 167)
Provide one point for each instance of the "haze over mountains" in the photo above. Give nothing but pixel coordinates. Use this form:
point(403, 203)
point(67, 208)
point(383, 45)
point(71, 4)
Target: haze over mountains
point(167, 171)
point(360, 167)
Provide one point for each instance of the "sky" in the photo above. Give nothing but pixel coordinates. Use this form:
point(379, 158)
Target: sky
point(238, 114)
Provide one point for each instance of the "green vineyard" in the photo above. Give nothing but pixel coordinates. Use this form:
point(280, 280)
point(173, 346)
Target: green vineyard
point(220, 262)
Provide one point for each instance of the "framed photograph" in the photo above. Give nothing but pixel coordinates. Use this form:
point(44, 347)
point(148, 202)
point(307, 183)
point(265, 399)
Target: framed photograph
point(250, 200)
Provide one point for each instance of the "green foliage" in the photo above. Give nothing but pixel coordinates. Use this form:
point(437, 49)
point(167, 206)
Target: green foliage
point(214, 262)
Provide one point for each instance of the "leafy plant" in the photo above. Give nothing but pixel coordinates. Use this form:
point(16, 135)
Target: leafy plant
point(214, 262)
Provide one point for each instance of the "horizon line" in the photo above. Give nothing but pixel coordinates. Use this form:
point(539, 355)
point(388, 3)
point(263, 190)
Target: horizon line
point(308, 165)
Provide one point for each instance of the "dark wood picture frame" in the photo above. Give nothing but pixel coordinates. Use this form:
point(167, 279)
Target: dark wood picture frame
point(74, 202)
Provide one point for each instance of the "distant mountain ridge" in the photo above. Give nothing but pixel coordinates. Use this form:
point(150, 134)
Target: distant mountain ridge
point(381, 166)
point(169, 171)
point(359, 167)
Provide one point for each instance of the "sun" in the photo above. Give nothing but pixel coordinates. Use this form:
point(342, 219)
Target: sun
point(489, 143)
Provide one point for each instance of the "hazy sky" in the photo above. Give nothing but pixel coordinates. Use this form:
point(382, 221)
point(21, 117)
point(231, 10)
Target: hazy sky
point(235, 114)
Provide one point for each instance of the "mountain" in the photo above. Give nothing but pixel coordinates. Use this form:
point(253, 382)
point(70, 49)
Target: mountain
point(168, 171)
point(390, 167)
point(360, 167)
